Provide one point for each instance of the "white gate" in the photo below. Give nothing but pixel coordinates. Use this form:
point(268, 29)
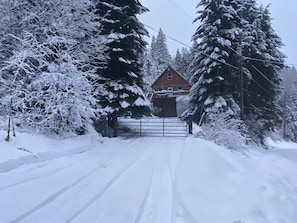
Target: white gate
point(157, 127)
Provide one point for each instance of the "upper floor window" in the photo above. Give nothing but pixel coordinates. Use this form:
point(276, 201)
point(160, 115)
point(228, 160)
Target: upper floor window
point(170, 89)
point(169, 76)
point(180, 88)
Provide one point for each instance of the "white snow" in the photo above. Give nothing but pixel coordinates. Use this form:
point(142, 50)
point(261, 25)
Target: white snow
point(157, 180)
point(117, 49)
point(141, 102)
point(208, 101)
point(124, 60)
point(124, 104)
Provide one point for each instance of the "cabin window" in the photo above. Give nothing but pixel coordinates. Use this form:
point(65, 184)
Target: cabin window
point(169, 76)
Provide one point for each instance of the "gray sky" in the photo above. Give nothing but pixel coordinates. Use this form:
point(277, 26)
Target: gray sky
point(175, 18)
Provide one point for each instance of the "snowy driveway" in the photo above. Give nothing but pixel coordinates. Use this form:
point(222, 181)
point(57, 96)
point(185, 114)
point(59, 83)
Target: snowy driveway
point(155, 180)
point(131, 184)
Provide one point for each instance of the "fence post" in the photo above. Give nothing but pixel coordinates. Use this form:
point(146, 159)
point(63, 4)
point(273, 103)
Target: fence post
point(115, 125)
point(190, 124)
point(140, 126)
point(103, 126)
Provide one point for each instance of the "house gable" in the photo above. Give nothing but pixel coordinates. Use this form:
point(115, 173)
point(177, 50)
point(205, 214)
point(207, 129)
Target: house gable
point(171, 81)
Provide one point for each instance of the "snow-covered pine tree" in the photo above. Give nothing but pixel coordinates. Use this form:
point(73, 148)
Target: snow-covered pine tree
point(156, 61)
point(261, 108)
point(147, 65)
point(122, 90)
point(288, 102)
point(182, 62)
point(160, 52)
point(147, 68)
point(178, 60)
point(215, 84)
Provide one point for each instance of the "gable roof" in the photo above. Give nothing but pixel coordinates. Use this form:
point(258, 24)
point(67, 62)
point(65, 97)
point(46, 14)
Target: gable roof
point(163, 73)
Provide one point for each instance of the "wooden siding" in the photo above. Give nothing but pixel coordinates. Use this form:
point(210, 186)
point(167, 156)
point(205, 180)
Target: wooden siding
point(177, 85)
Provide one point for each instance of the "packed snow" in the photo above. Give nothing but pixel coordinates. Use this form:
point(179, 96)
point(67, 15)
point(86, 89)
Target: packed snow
point(158, 180)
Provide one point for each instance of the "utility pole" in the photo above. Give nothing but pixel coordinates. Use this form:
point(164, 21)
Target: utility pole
point(241, 102)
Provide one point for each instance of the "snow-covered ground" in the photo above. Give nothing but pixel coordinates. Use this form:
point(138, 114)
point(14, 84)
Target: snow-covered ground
point(88, 179)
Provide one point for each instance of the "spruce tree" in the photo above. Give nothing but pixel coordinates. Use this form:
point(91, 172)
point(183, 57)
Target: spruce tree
point(160, 52)
point(264, 62)
point(182, 62)
point(227, 27)
point(122, 83)
point(148, 70)
point(214, 83)
point(288, 103)
point(158, 57)
point(178, 60)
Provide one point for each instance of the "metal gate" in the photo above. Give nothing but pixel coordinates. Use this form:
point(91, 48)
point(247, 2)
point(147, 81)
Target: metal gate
point(155, 127)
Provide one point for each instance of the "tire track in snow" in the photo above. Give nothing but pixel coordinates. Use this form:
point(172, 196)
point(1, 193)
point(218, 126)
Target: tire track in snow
point(68, 187)
point(52, 197)
point(180, 213)
point(111, 182)
point(37, 178)
point(173, 181)
point(145, 214)
point(143, 205)
point(37, 166)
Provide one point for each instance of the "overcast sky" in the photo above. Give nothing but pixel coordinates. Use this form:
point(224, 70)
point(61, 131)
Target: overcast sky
point(175, 18)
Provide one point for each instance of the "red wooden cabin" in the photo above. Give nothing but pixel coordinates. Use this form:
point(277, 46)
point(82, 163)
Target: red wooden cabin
point(169, 85)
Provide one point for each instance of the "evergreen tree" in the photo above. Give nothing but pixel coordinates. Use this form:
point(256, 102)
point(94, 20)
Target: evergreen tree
point(227, 26)
point(261, 108)
point(160, 52)
point(215, 84)
point(288, 102)
point(182, 62)
point(149, 69)
point(157, 58)
point(153, 47)
point(178, 60)
point(122, 88)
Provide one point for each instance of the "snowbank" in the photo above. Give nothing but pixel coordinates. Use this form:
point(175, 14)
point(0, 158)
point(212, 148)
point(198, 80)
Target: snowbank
point(228, 187)
point(29, 148)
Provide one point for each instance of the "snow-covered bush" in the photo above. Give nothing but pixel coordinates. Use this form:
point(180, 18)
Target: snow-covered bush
point(61, 100)
point(2, 122)
point(49, 64)
point(226, 131)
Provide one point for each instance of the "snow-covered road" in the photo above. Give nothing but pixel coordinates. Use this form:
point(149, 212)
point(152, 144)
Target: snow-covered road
point(133, 184)
point(152, 180)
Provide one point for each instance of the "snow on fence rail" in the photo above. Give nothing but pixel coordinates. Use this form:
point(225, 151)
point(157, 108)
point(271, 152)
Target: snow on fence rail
point(166, 127)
